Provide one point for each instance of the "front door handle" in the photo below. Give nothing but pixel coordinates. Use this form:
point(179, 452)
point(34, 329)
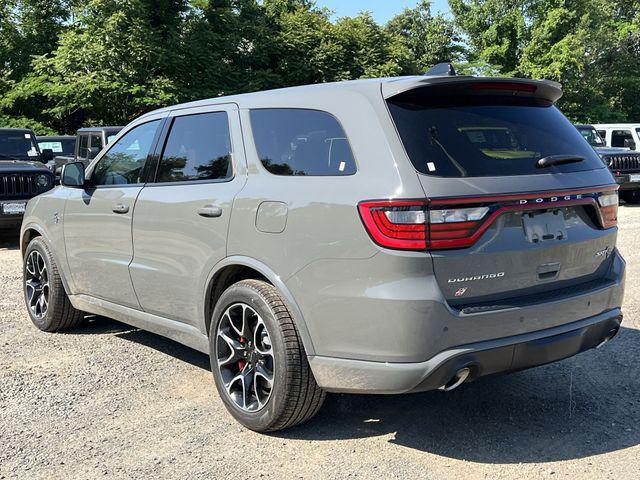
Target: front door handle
point(120, 208)
point(210, 211)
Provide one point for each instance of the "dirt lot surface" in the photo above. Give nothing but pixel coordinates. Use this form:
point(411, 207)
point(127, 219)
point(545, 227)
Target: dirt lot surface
point(111, 401)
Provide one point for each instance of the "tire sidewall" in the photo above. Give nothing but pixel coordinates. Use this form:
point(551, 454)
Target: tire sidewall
point(265, 417)
point(44, 323)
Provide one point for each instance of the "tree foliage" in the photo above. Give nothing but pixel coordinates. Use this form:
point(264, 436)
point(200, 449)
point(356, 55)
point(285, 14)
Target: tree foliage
point(70, 63)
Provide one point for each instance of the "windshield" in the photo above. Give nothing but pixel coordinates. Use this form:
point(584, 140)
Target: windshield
point(591, 136)
point(62, 146)
point(17, 144)
point(475, 136)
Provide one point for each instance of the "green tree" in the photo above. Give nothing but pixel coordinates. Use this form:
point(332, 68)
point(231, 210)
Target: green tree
point(430, 39)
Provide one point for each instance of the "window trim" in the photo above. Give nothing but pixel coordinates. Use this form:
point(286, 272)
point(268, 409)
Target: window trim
point(150, 155)
point(346, 136)
point(162, 144)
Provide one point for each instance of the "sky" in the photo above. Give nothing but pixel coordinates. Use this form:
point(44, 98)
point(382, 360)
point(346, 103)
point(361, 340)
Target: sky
point(382, 10)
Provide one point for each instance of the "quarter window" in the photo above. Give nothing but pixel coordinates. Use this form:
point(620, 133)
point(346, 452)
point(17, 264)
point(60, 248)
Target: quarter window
point(198, 148)
point(301, 142)
point(124, 162)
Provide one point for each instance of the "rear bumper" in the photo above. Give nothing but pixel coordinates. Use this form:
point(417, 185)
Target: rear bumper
point(483, 358)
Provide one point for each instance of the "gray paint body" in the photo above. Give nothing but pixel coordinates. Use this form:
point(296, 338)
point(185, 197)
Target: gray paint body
point(371, 319)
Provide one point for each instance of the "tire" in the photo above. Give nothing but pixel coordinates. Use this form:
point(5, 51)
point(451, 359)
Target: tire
point(59, 314)
point(293, 397)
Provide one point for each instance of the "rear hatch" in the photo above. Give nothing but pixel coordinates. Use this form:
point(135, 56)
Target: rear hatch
point(519, 207)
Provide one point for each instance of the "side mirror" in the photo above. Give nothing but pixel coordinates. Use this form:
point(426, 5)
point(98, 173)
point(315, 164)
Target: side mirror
point(629, 143)
point(46, 155)
point(92, 152)
point(73, 175)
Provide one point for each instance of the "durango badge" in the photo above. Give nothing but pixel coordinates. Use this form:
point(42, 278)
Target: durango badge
point(488, 276)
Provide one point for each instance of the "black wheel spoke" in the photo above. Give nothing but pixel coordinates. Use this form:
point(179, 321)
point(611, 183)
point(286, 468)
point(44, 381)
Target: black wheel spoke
point(245, 357)
point(37, 284)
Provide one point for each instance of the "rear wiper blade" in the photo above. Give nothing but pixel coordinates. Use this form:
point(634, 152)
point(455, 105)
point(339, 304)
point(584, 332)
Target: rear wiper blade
point(552, 160)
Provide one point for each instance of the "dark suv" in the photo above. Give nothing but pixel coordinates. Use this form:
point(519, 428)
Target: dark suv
point(376, 236)
point(623, 163)
point(22, 173)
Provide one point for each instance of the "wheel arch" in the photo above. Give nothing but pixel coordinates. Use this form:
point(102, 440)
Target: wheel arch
point(236, 268)
point(33, 230)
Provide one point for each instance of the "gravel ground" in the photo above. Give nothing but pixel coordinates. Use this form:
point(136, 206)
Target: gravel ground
point(110, 400)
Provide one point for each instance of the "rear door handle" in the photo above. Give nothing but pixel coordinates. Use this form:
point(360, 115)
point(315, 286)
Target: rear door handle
point(120, 208)
point(210, 211)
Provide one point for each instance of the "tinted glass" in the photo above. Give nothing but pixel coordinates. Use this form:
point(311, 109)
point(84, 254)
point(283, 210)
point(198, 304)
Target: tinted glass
point(83, 147)
point(63, 146)
point(602, 133)
point(591, 136)
point(17, 144)
point(474, 136)
point(301, 142)
point(198, 148)
point(96, 141)
point(124, 161)
point(619, 136)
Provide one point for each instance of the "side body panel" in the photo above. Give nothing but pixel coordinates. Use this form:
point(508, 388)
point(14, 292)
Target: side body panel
point(175, 247)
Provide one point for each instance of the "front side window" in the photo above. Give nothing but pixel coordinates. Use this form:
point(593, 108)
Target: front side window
point(198, 148)
point(124, 162)
point(481, 136)
point(83, 148)
point(591, 136)
point(618, 138)
point(602, 134)
point(301, 142)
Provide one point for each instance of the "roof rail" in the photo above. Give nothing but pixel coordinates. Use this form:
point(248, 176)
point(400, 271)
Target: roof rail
point(441, 69)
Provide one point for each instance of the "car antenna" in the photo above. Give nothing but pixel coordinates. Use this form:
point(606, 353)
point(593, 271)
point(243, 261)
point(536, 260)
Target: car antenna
point(442, 69)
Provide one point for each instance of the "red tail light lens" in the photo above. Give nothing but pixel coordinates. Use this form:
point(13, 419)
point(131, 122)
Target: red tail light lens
point(397, 224)
point(459, 223)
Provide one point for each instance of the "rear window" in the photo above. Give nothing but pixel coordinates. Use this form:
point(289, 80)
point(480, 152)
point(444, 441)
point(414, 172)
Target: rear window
point(480, 136)
point(301, 142)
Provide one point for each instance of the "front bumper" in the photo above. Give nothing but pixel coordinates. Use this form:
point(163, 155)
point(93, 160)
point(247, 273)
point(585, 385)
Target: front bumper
point(9, 221)
point(624, 180)
point(483, 358)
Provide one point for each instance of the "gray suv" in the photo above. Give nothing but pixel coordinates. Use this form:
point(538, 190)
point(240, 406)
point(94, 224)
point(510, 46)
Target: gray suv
point(376, 236)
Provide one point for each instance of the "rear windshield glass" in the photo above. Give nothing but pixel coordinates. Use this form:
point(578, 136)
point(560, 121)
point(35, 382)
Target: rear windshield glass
point(480, 136)
point(62, 146)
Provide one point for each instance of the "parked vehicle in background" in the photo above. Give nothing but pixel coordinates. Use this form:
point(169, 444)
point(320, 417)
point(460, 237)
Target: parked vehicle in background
point(22, 173)
point(624, 163)
point(375, 236)
point(88, 143)
point(620, 135)
point(58, 144)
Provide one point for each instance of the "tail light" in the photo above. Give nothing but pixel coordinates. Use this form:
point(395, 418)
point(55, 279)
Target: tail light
point(459, 223)
point(608, 202)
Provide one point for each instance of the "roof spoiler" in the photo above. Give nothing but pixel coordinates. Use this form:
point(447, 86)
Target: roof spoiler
point(441, 76)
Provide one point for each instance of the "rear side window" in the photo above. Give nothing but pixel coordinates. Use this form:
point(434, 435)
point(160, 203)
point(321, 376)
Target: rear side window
point(198, 148)
point(618, 137)
point(301, 142)
point(478, 136)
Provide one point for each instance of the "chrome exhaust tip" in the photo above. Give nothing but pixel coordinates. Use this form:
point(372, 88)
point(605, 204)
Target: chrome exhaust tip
point(458, 379)
point(612, 333)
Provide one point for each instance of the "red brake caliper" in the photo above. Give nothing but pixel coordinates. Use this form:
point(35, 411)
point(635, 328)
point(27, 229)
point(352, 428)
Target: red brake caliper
point(242, 363)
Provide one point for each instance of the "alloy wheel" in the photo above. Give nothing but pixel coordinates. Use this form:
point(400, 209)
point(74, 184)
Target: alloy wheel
point(245, 357)
point(37, 284)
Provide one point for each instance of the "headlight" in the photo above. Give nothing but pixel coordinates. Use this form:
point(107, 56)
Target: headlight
point(43, 181)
